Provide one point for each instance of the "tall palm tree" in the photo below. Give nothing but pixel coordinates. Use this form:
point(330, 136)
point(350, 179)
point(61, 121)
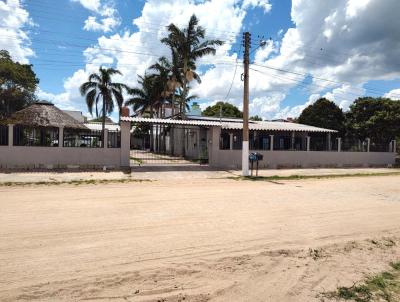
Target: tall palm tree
point(100, 85)
point(187, 46)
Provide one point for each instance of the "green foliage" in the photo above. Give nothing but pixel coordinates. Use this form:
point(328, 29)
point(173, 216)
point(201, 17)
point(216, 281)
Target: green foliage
point(225, 109)
point(374, 118)
point(255, 118)
point(18, 83)
point(325, 114)
point(187, 45)
point(381, 287)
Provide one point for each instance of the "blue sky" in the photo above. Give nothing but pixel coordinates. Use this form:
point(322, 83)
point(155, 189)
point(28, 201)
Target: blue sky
point(338, 49)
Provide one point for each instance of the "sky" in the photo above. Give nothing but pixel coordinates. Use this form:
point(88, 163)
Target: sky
point(338, 49)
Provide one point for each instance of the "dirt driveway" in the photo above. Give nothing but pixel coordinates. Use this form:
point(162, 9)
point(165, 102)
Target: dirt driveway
point(200, 240)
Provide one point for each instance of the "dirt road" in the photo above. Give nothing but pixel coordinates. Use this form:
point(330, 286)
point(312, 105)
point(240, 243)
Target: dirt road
point(217, 240)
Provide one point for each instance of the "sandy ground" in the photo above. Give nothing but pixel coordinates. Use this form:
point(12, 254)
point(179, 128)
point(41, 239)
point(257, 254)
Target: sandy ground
point(179, 172)
point(196, 240)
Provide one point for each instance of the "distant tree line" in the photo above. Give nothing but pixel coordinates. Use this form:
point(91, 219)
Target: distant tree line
point(368, 117)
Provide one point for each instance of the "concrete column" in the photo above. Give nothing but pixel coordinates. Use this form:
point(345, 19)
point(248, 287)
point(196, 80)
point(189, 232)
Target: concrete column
point(125, 139)
point(308, 143)
point(105, 138)
point(61, 137)
point(329, 142)
point(339, 144)
point(394, 146)
point(213, 146)
point(271, 143)
point(10, 135)
point(368, 144)
point(292, 140)
point(231, 141)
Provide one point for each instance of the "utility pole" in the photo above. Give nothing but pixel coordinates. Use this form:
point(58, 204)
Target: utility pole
point(245, 146)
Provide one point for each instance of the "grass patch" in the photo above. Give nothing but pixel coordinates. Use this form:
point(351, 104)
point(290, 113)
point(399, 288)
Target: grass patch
point(382, 287)
point(72, 182)
point(137, 160)
point(300, 177)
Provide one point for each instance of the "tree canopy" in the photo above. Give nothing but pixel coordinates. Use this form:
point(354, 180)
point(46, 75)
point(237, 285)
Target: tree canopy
point(223, 108)
point(18, 84)
point(325, 114)
point(374, 118)
point(256, 118)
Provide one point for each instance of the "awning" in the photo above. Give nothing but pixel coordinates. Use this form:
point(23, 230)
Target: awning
point(277, 126)
point(253, 125)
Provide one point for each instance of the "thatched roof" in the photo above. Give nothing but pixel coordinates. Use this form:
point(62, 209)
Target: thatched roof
point(44, 114)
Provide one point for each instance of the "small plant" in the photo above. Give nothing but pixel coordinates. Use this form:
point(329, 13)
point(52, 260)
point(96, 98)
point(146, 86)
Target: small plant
point(382, 287)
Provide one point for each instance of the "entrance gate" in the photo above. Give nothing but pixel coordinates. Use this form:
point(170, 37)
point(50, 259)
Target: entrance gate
point(165, 144)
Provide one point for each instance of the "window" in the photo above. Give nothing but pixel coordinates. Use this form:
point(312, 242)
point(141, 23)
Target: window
point(259, 140)
point(35, 136)
point(3, 135)
point(82, 138)
point(224, 140)
point(237, 140)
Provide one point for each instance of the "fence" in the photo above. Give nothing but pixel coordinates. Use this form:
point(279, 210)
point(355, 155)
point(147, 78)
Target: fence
point(35, 136)
point(49, 147)
point(82, 138)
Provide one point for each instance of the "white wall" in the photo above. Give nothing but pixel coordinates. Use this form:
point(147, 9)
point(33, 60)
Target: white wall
point(58, 157)
point(231, 159)
point(63, 157)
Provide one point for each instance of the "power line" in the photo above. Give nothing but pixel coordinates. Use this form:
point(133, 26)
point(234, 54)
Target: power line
point(234, 75)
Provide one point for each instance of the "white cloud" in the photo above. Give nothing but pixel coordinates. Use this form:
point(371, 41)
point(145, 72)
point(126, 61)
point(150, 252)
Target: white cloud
point(264, 4)
point(93, 5)
point(355, 6)
point(393, 94)
point(106, 17)
point(347, 42)
point(13, 37)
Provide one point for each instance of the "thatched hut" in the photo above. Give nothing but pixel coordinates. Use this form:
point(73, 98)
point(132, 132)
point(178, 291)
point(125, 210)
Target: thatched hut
point(39, 125)
point(44, 114)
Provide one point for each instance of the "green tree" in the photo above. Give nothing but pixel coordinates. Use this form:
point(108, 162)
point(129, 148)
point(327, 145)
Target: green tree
point(100, 86)
point(374, 118)
point(187, 46)
point(18, 84)
point(325, 114)
point(224, 109)
point(255, 118)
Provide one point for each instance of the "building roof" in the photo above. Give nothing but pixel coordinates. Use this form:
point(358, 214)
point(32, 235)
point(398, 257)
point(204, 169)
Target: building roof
point(44, 114)
point(76, 115)
point(98, 126)
point(235, 124)
point(277, 126)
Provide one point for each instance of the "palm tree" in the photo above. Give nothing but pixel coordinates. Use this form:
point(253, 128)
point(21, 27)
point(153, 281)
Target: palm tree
point(187, 45)
point(147, 98)
point(144, 99)
point(100, 85)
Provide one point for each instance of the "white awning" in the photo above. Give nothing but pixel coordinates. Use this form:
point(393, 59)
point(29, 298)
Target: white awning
point(253, 125)
point(277, 126)
point(170, 121)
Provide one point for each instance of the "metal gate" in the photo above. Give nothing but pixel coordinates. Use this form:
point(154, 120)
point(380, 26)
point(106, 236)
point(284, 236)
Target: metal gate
point(163, 144)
